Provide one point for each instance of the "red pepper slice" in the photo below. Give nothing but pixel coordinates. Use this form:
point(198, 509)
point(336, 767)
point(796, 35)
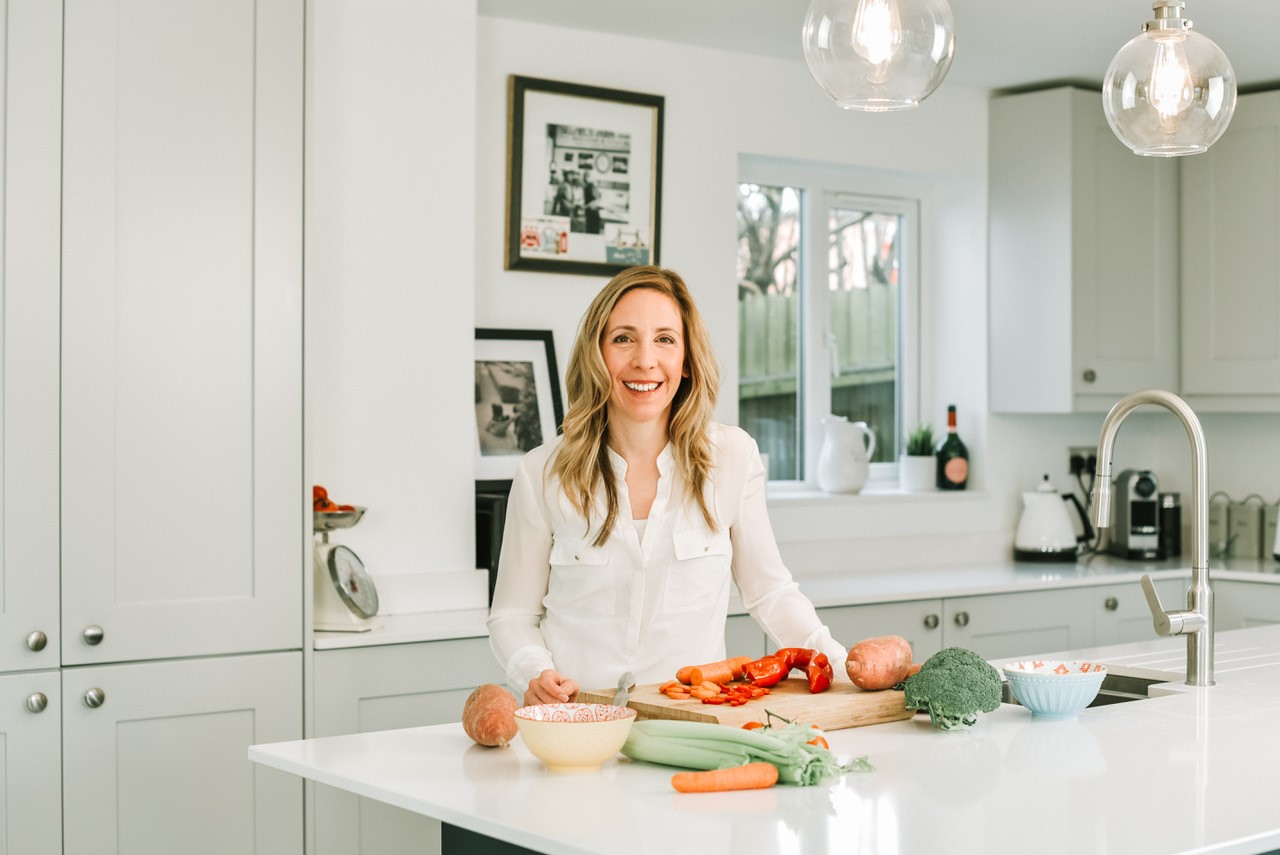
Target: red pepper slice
point(819, 673)
point(766, 671)
point(795, 657)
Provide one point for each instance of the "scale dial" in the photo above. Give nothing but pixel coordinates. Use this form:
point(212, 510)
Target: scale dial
point(354, 586)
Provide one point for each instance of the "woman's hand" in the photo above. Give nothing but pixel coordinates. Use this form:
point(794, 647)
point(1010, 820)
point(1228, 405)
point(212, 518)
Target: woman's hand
point(550, 687)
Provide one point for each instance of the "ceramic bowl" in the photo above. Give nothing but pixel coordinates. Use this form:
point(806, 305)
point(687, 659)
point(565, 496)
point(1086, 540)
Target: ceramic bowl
point(1055, 689)
point(571, 737)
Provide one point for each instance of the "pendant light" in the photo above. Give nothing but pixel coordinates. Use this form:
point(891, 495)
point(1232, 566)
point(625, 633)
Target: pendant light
point(1170, 91)
point(878, 55)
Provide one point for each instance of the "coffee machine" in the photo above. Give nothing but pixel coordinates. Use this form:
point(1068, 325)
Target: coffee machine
point(1136, 531)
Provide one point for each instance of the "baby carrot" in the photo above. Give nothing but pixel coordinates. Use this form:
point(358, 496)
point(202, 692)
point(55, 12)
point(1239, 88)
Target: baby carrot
point(752, 776)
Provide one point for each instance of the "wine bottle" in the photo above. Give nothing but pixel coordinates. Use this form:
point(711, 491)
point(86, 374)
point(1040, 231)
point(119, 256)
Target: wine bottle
point(952, 456)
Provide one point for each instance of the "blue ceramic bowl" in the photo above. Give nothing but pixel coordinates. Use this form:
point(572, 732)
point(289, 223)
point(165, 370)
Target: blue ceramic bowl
point(1055, 689)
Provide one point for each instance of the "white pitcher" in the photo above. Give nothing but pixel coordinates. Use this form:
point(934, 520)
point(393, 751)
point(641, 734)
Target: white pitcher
point(846, 455)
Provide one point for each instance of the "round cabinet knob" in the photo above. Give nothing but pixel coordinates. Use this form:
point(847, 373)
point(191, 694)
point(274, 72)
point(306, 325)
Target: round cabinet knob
point(37, 640)
point(1089, 375)
point(92, 635)
point(95, 698)
point(36, 702)
point(962, 618)
point(931, 621)
point(1111, 604)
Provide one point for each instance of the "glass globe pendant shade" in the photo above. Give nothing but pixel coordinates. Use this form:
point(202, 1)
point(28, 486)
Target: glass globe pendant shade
point(878, 55)
point(1170, 91)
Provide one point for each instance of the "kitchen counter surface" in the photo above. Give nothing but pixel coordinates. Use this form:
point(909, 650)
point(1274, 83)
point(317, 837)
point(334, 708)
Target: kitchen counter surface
point(1185, 771)
point(859, 589)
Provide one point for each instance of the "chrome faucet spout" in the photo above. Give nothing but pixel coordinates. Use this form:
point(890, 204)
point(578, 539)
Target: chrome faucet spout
point(1196, 621)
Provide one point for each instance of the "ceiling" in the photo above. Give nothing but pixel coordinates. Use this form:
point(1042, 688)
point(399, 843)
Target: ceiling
point(1000, 44)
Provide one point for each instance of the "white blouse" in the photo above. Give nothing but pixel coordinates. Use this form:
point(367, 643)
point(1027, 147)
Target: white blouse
point(650, 604)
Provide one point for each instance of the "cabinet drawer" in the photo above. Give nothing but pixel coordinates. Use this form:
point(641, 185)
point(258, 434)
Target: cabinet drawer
point(918, 621)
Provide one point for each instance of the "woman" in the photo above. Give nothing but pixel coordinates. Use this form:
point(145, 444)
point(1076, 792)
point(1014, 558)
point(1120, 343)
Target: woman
point(623, 534)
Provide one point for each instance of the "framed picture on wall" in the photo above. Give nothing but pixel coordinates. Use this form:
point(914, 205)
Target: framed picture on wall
point(517, 400)
point(584, 177)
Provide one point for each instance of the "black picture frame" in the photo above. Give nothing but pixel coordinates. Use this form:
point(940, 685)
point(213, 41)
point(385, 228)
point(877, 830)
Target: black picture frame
point(584, 177)
point(517, 398)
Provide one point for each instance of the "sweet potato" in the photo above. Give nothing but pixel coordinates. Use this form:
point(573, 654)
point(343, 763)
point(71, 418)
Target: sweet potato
point(488, 716)
point(880, 663)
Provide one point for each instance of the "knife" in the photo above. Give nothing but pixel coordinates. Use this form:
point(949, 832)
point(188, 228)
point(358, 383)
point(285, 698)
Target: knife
point(625, 684)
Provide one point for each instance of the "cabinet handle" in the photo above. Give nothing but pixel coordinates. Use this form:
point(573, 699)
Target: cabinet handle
point(37, 640)
point(95, 698)
point(931, 621)
point(1089, 375)
point(92, 635)
point(36, 702)
point(962, 618)
point(1111, 604)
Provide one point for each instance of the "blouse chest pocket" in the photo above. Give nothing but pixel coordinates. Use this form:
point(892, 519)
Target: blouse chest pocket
point(581, 577)
point(700, 571)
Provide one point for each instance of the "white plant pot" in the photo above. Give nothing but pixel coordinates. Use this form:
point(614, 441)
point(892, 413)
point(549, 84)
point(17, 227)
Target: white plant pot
point(917, 473)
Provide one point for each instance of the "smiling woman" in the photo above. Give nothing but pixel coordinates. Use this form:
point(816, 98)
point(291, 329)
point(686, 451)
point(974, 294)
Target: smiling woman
point(624, 534)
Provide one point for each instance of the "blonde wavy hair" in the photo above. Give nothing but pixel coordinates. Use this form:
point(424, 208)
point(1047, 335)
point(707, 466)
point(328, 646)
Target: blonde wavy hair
point(582, 461)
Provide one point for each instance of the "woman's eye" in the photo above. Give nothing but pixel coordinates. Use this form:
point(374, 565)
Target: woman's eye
point(621, 338)
point(666, 339)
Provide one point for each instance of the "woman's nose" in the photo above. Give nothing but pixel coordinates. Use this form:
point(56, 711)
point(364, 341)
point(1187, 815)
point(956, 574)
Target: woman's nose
point(644, 355)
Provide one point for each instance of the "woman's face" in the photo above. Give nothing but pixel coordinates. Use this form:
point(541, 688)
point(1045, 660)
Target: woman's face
point(643, 349)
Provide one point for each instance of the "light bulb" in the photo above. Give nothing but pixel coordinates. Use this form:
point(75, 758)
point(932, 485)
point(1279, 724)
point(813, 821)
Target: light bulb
point(877, 30)
point(1171, 88)
point(1169, 91)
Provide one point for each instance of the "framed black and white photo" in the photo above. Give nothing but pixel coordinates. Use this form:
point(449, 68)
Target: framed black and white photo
point(517, 402)
point(584, 177)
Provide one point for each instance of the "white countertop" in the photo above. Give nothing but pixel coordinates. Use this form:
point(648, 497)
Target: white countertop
point(855, 589)
point(1189, 771)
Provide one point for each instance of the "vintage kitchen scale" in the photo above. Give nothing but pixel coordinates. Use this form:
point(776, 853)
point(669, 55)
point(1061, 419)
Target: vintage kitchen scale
point(345, 597)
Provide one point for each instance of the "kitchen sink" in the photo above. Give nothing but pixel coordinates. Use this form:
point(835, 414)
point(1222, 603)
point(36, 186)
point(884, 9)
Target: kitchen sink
point(1116, 689)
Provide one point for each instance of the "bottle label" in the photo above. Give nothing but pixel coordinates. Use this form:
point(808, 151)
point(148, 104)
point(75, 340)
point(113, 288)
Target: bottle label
point(956, 470)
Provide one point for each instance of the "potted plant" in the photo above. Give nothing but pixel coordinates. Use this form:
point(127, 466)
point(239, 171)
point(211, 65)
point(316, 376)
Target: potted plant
point(917, 466)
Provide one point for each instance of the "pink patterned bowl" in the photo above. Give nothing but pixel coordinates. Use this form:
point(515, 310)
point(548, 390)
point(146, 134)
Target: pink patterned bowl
point(569, 737)
point(1055, 689)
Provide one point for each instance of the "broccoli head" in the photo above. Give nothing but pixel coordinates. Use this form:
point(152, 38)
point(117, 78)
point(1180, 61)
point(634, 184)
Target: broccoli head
point(953, 686)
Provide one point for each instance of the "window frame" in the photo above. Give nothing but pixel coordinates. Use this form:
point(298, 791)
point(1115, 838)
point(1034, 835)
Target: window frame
point(822, 186)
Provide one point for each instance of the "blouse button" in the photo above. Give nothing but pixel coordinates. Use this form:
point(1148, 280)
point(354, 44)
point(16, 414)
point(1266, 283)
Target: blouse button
point(706, 549)
point(577, 558)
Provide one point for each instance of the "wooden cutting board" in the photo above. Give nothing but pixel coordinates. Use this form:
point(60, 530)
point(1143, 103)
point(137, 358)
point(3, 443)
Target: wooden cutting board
point(843, 705)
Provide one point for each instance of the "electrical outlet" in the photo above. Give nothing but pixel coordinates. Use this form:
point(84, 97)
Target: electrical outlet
point(1082, 459)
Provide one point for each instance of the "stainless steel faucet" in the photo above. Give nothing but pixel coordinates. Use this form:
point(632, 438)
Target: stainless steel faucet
point(1196, 621)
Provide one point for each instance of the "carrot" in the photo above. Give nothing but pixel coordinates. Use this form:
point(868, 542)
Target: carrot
point(752, 776)
point(683, 675)
point(724, 671)
point(879, 663)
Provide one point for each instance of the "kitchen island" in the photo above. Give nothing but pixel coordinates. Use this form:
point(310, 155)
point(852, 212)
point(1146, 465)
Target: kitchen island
point(1185, 770)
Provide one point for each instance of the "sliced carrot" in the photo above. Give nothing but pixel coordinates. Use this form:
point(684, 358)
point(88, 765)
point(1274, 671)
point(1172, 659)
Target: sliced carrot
point(724, 671)
point(752, 776)
point(684, 674)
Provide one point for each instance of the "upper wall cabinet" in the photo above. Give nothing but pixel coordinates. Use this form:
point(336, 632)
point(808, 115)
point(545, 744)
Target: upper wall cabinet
point(184, 522)
point(1083, 267)
point(1231, 263)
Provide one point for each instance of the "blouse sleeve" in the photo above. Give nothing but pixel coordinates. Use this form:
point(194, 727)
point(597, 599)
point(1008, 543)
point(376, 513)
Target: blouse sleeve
point(523, 570)
point(768, 590)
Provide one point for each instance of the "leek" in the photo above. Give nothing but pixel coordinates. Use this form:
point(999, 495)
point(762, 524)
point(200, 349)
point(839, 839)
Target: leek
point(701, 745)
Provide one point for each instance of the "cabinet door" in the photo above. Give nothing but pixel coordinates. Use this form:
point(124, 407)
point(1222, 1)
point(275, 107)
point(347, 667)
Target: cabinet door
point(380, 688)
point(996, 626)
point(1121, 613)
point(30, 101)
point(1238, 605)
point(918, 621)
point(30, 764)
point(160, 765)
point(1231, 256)
point(184, 519)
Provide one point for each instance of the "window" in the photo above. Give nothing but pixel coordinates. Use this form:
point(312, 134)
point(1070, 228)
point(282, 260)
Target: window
point(827, 313)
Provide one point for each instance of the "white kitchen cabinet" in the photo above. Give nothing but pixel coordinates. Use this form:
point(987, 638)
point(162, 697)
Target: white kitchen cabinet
point(30, 764)
point(996, 626)
point(1238, 605)
point(363, 689)
point(1121, 613)
point(30, 80)
point(1231, 262)
point(184, 519)
point(918, 621)
point(744, 637)
point(160, 765)
point(1083, 258)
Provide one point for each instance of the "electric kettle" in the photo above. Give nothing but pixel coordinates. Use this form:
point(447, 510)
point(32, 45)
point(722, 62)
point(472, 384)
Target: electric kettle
point(1045, 531)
